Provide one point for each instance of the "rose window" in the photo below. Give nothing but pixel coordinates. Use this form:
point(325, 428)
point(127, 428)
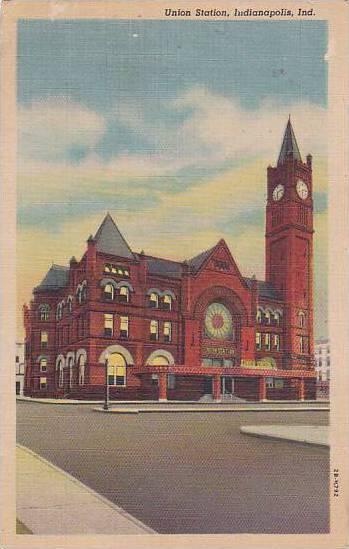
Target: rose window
point(218, 322)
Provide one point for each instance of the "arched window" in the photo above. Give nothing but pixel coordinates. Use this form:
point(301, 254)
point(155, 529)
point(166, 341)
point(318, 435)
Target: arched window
point(109, 292)
point(267, 316)
point(59, 312)
point(44, 312)
point(167, 302)
point(301, 319)
point(43, 364)
point(60, 374)
point(116, 370)
point(277, 318)
point(70, 304)
point(124, 294)
point(81, 370)
point(153, 300)
point(83, 292)
point(70, 366)
point(259, 316)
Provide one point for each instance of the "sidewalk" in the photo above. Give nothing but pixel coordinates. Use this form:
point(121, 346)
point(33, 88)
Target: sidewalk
point(309, 404)
point(50, 501)
point(317, 435)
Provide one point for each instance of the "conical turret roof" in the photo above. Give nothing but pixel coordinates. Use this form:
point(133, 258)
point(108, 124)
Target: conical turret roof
point(109, 239)
point(289, 147)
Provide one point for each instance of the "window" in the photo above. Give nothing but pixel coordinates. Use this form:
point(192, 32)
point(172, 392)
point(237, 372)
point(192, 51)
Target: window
point(301, 319)
point(81, 365)
point(154, 379)
point(59, 312)
point(258, 341)
point(61, 374)
point(43, 365)
point(269, 382)
point(276, 342)
point(70, 305)
point(124, 294)
point(154, 300)
point(83, 293)
point(116, 375)
point(44, 312)
point(124, 326)
point(44, 339)
point(279, 383)
point(116, 270)
point(167, 332)
point(303, 344)
point(259, 316)
point(43, 383)
point(277, 318)
point(171, 381)
point(17, 358)
point(109, 292)
point(167, 302)
point(108, 325)
point(154, 330)
point(267, 317)
point(267, 339)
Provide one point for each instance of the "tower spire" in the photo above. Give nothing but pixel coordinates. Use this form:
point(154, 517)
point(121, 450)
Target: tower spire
point(289, 147)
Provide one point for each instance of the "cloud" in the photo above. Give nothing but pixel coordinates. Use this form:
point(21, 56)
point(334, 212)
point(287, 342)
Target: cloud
point(56, 129)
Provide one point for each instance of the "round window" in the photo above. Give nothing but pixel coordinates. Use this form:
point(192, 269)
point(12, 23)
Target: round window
point(218, 322)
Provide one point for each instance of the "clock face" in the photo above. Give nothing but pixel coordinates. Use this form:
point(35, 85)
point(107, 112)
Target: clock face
point(302, 189)
point(218, 322)
point(278, 192)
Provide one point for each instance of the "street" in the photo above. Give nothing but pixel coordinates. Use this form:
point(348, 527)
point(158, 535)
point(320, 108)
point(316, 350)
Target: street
point(188, 473)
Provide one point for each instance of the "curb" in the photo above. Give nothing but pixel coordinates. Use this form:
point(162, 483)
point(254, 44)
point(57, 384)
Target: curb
point(206, 410)
point(284, 438)
point(68, 402)
point(79, 484)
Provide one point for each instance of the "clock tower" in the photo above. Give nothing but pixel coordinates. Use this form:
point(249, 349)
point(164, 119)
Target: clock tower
point(289, 248)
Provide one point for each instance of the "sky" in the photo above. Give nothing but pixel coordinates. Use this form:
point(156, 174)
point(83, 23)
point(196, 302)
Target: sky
point(169, 126)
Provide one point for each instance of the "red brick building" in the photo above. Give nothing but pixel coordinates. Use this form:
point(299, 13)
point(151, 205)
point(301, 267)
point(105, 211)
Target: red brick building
point(182, 330)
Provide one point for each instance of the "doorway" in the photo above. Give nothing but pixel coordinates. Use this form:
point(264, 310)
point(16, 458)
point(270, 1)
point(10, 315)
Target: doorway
point(227, 386)
point(208, 385)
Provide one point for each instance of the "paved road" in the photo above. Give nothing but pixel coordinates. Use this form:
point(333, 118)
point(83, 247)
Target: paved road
point(188, 473)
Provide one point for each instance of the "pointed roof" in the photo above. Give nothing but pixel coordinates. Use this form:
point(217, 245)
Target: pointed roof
point(55, 279)
point(289, 147)
point(109, 239)
point(196, 262)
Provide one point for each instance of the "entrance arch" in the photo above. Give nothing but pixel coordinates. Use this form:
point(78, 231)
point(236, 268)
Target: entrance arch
point(160, 357)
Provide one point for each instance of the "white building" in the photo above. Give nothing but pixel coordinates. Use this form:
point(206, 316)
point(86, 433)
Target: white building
point(19, 368)
point(323, 366)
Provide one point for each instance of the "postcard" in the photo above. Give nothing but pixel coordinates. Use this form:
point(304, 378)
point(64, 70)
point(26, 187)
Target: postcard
point(174, 235)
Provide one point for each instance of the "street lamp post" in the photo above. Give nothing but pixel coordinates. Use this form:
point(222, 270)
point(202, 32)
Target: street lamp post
point(106, 384)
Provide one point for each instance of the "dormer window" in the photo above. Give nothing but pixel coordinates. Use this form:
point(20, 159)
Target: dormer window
point(167, 302)
point(117, 270)
point(153, 300)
